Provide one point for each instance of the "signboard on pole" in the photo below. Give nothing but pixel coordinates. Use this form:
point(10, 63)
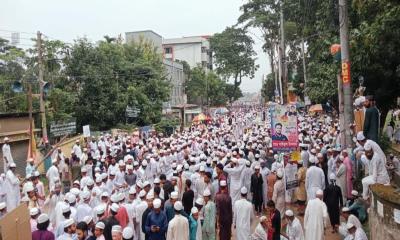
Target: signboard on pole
point(284, 127)
point(291, 181)
point(58, 129)
point(132, 112)
point(346, 73)
point(86, 131)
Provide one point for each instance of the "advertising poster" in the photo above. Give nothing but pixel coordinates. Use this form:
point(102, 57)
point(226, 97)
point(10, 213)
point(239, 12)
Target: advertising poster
point(291, 176)
point(284, 127)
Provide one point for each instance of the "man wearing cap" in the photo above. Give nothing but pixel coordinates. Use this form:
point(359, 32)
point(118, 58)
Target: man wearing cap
point(355, 233)
point(42, 232)
point(377, 170)
point(209, 211)
point(334, 202)
point(139, 210)
point(315, 217)
point(234, 171)
point(98, 230)
point(278, 195)
point(224, 211)
point(315, 179)
point(156, 223)
point(260, 232)
point(243, 216)
point(84, 209)
point(69, 230)
point(256, 189)
point(34, 213)
point(77, 151)
point(12, 188)
point(52, 173)
point(178, 227)
point(357, 206)
point(7, 156)
point(111, 221)
point(30, 167)
point(362, 140)
point(294, 230)
point(3, 209)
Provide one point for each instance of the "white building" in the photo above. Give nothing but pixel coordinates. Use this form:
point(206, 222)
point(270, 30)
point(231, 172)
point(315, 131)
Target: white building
point(194, 50)
point(174, 70)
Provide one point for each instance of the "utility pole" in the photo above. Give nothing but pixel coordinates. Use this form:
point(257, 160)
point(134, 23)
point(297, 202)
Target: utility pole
point(346, 77)
point(30, 109)
point(41, 84)
point(283, 60)
point(304, 66)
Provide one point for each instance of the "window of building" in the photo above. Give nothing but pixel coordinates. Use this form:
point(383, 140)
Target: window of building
point(168, 50)
point(203, 49)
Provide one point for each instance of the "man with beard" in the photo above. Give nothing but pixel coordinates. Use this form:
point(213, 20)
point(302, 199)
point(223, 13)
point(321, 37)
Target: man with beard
point(224, 211)
point(334, 202)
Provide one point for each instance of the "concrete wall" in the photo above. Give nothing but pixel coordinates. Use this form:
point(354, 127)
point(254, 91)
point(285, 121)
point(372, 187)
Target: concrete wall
point(177, 79)
point(382, 224)
point(147, 35)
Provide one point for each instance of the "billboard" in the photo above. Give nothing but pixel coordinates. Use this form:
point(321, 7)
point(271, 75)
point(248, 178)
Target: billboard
point(284, 127)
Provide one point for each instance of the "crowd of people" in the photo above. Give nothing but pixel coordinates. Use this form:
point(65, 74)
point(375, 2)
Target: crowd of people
point(203, 183)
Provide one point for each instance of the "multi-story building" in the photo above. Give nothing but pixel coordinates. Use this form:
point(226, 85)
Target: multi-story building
point(194, 50)
point(174, 69)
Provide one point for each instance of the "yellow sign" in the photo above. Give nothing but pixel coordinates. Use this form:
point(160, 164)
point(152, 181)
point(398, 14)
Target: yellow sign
point(346, 72)
point(295, 156)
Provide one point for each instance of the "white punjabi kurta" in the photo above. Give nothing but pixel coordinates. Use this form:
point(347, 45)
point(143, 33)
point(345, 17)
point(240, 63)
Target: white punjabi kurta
point(278, 195)
point(13, 191)
point(235, 184)
point(51, 175)
point(315, 179)
point(315, 219)
point(294, 230)
point(178, 228)
point(341, 180)
point(6, 150)
point(242, 217)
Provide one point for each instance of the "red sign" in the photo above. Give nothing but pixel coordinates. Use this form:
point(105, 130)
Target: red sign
point(346, 73)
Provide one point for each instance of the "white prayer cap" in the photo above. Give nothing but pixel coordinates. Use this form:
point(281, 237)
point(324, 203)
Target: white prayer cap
point(83, 169)
point(146, 183)
point(367, 146)
point(174, 195)
point(104, 176)
point(105, 194)
point(89, 182)
point(279, 173)
point(114, 207)
point(127, 233)
point(6, 139)
point(30, 160)
point(234, 160)
point(100, 225)
point(200, 201)
point(289, 213)
point(34, 211)
point(66, 209)
point(320, 155)
point(135, 163)
point(12, 165)
point(354, 193)
point(112, 173)
point(202, 169)
point(248, 163)
point(311, 159)
point(194, 210)
point(54, 160)
point(129, 167)
point(144, 163)
point(88, 219)
point(349, 226)
point(29, 187)
point(345, 209)
point(68, 222)
point(178, 206)
point(150, 196)
point(222, 183)
point(121, 196)
point(157, 180)
point(257, 155)
point(98, 179)
point(142, 193)
point(36, 174)
point(257, 167)
point(319, 192)
point(114, 198)
point(360, 136)
point(132, 190)
point(42, 218)
point(100, 209)
point(75, 191)
point(206, 193)
point(156, 203)
point(116, 228)
point(243, 190)
point(71, 198)
point(332, 176)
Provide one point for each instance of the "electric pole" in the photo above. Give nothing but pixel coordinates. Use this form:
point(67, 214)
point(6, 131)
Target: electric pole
point(304, 66)
point(41, 84)
point(346, 77)
point(284, 81)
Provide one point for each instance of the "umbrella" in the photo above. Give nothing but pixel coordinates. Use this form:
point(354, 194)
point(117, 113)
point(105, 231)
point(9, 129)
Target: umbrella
point(221, 110)
point(316, 108)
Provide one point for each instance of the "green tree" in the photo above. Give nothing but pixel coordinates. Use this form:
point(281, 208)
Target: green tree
point(234, 54)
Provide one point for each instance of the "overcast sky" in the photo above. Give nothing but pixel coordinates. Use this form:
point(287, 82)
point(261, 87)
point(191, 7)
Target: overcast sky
point(69, 19)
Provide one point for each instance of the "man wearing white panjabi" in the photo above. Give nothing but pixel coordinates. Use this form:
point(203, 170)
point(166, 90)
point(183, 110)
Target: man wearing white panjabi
point(377, 170)
point(294, 230)
point(12, 188)
point(242, 216)
point(7, 156)
point(315, 179)
point(52, 174)
point(178, 227)
point(315, 218)
point(234, 172)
